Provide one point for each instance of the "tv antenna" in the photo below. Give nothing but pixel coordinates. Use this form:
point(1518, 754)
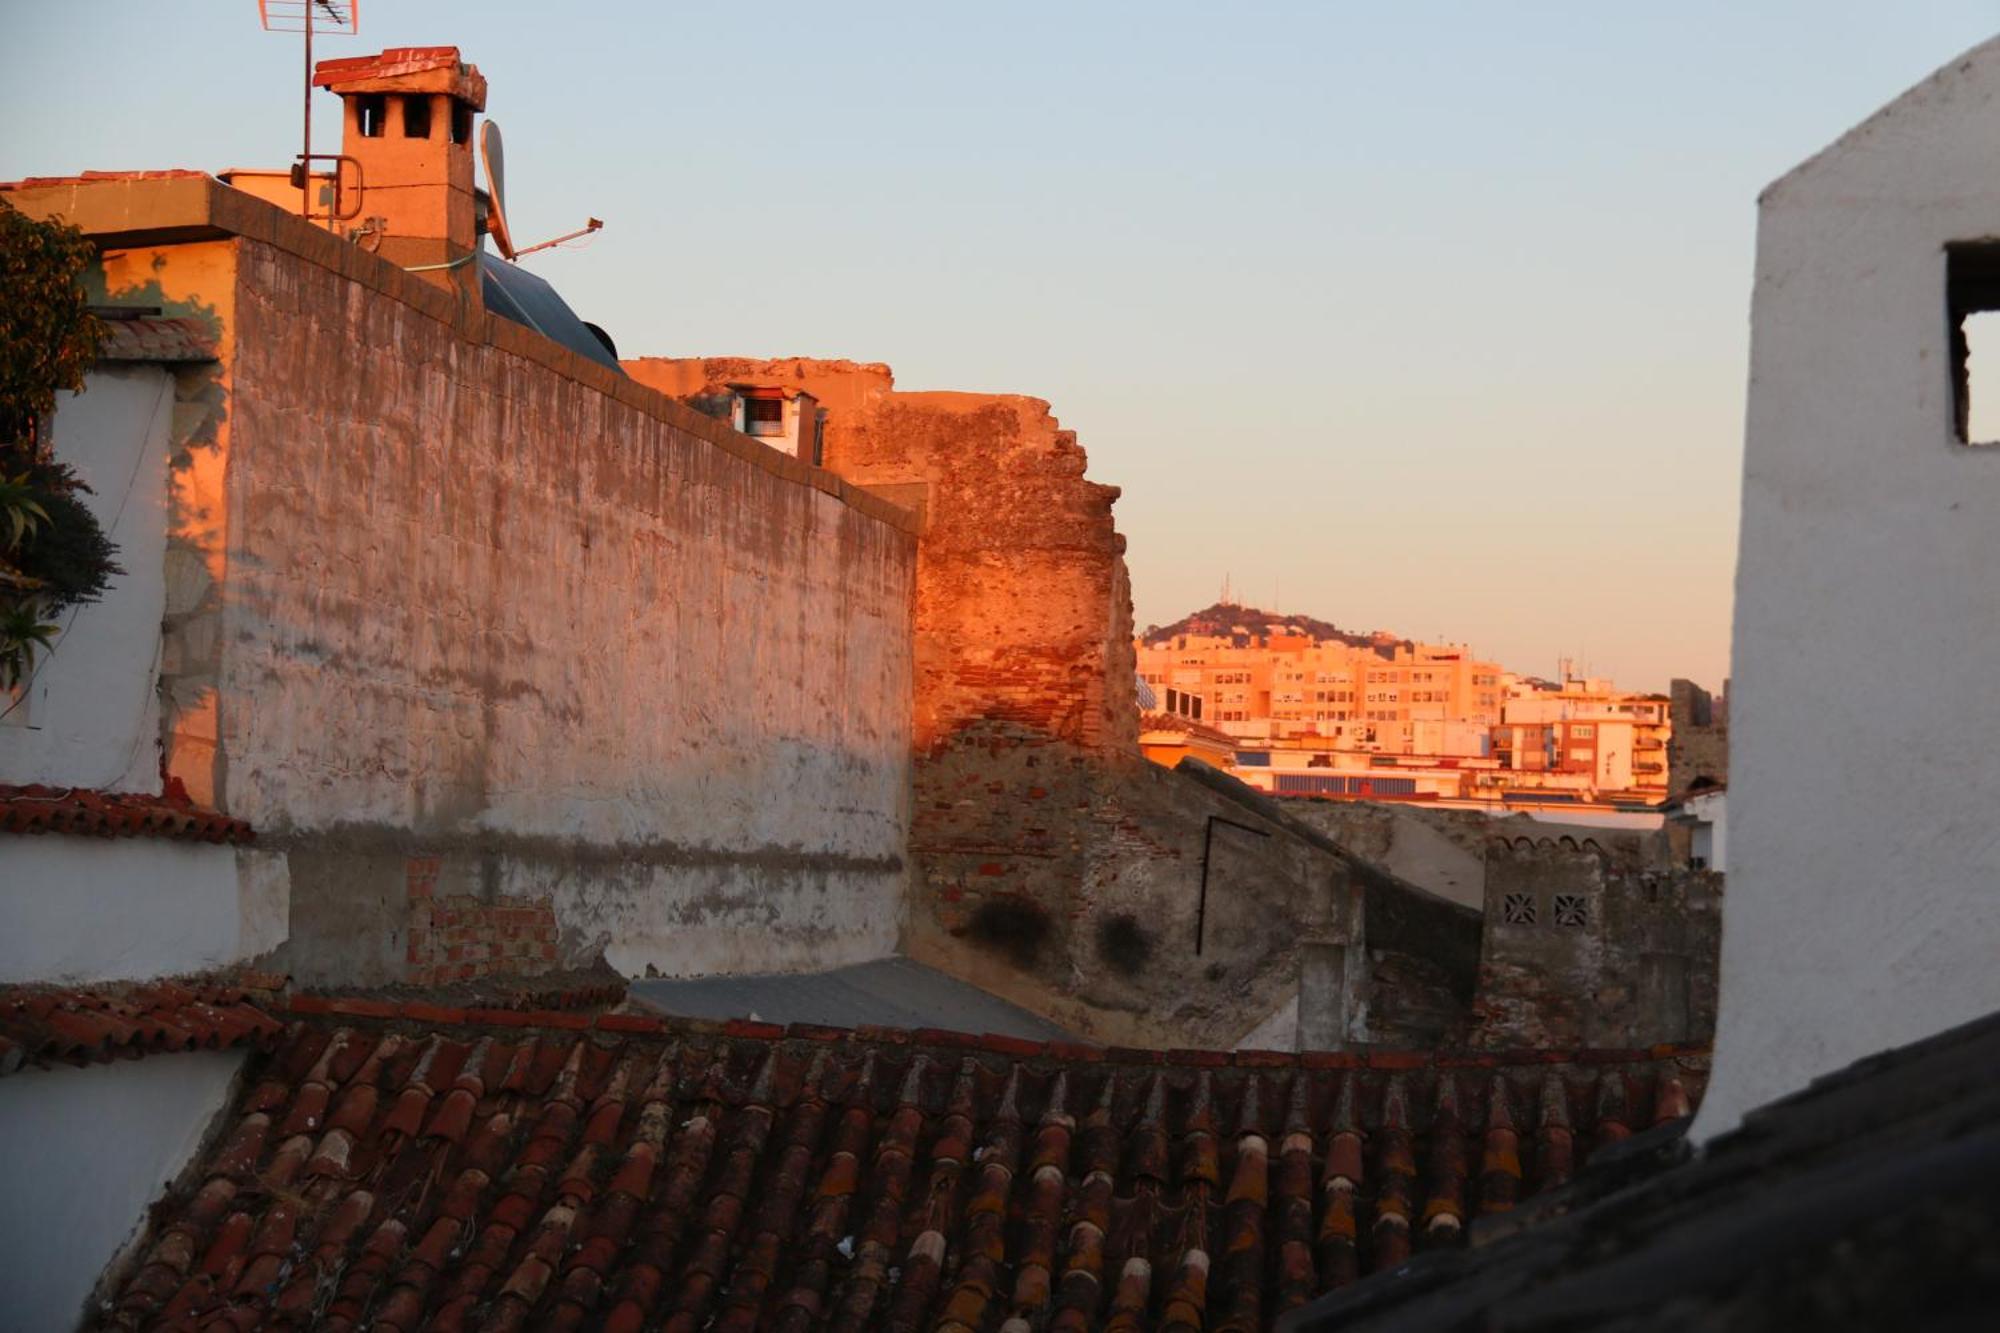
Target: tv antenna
point(339, 18)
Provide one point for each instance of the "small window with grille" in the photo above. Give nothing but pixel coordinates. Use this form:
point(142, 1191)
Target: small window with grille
point(1572, 909)
point(1518, 909)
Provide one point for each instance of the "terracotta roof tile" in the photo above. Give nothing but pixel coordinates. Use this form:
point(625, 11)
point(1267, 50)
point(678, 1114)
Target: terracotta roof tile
point(45, 1026)
point(86, 813)
point(507, 1172)
point(151, 338)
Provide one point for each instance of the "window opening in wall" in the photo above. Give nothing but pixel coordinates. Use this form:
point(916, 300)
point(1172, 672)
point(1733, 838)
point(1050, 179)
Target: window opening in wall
point(763, 416)
point(1518, 909)
point(372, 110)
point(1982, 378)
point(1572, 909)
point(461, 123)
point(416, 117)
point(1972, 302)
point(819, 440)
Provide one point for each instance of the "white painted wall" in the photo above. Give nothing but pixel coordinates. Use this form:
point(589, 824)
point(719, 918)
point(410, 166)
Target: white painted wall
point(92, 713)
point(92, 909)
point(83, 1152)
point(1710, 840)
point(1863, 909)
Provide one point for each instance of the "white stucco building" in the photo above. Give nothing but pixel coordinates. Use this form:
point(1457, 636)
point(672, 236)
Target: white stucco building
point(104, 880)
point(1864, 898)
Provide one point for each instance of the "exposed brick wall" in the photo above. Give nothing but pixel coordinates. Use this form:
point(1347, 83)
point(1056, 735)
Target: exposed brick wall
point(458, 937)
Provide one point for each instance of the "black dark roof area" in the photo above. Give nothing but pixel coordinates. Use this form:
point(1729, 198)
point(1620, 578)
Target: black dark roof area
point(1871, 1200)
point(512, 291)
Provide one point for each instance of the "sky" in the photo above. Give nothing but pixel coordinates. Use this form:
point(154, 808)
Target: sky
point(1422, 317)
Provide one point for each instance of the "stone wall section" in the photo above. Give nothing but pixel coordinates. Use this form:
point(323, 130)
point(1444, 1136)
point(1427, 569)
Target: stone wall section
point(1699, 746)
point(1089, 907)
point(1595, 943)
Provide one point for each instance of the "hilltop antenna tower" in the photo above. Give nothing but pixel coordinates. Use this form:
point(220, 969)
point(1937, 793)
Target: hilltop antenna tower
point(338, 18)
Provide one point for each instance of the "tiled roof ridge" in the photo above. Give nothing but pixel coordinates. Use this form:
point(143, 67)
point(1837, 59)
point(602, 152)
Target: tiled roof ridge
point(429, 1012)
point(46, 1025)
point(88, 812)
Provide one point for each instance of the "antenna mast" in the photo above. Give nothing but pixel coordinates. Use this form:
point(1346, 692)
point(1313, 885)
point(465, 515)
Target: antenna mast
point(339, 17)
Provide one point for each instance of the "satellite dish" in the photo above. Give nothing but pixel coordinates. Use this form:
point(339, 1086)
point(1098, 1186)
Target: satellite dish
point(496, 211)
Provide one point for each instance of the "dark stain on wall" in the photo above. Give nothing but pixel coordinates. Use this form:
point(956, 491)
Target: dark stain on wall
point(1123, 944)
point(1013, 926)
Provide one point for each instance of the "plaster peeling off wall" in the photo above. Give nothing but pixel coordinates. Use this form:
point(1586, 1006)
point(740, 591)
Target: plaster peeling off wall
point(91, 714)
point(83, 1152)
point(481, 612)
point(1864, 858)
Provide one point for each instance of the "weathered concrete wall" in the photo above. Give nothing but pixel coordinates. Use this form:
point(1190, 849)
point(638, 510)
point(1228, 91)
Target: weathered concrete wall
point(483, 612)
point(84, 1152)
point(437, 588)
point(1864, 856)
point(1595, 944)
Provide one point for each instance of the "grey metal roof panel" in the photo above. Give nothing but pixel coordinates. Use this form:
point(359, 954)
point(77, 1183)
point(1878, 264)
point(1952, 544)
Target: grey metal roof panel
point(890, 992)
point(513, 292)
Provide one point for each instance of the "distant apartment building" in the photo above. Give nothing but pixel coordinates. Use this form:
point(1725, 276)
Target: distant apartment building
point(1589, 727)
point(1392, 696)
point(1383, 717)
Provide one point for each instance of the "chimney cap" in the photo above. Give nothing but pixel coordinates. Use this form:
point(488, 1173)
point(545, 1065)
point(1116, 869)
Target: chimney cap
point(405, 69)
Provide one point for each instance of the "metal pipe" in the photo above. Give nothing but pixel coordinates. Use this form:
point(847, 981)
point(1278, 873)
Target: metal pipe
point(591, 226)
point(1207, 840)
point(306, 147)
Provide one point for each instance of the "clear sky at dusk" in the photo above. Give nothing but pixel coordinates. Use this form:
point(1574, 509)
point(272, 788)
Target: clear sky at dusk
point(1420, 317)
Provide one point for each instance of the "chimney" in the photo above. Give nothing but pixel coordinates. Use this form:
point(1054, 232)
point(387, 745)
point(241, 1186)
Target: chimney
point(406, 118)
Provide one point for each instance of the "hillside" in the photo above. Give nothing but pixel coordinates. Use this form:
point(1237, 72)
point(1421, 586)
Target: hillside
point(1224, 618)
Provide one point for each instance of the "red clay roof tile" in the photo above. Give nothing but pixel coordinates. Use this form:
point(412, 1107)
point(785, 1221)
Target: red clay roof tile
point(87, 813)
point(508, 1172)
point(152, 338)
point(47, 1025)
